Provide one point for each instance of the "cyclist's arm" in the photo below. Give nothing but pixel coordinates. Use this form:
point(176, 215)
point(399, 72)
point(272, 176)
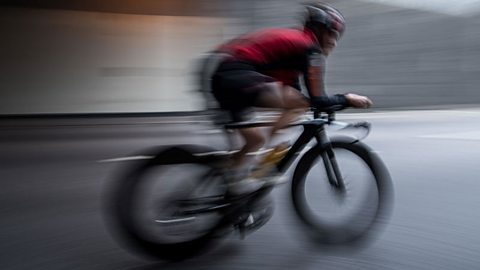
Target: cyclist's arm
point(314, 77)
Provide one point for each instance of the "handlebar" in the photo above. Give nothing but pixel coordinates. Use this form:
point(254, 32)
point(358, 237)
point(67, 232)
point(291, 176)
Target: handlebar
point(321, 116)
point(329, 111)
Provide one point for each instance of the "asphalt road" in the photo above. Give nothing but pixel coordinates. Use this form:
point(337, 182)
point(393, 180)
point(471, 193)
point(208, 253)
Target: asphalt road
point(54, 172)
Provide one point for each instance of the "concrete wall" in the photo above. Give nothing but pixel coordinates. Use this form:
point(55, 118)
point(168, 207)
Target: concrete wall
point(74, 61)
point(409, 57)
point(58, 61)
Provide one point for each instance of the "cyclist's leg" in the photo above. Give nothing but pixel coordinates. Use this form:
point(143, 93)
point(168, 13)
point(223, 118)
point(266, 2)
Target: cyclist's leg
point(270, 95)
point(236, 92)
point(254, 140)
point(239, 90)
point(293, 104)
point(291, 101)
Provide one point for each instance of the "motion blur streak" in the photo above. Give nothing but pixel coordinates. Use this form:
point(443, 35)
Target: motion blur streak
point(123, 56)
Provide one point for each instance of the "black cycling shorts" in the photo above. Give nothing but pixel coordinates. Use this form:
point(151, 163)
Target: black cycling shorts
point(236, 86)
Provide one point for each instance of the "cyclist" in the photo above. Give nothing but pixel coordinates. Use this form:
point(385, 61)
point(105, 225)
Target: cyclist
point(263, 68)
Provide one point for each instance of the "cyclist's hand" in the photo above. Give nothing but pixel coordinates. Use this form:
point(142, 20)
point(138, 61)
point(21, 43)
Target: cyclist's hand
point(358, 101)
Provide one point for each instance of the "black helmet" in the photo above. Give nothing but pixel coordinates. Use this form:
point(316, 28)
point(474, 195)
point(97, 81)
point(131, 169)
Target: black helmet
point(323, 15)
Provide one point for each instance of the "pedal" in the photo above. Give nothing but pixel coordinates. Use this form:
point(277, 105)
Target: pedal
point(254, 221)
point(250, 220)
point(242, 225)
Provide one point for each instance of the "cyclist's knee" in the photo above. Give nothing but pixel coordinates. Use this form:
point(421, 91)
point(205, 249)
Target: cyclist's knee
point(296, 105)
point(294, 100)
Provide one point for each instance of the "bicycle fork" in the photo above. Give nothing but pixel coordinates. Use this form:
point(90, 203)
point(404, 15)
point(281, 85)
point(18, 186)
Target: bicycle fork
point(330, 162)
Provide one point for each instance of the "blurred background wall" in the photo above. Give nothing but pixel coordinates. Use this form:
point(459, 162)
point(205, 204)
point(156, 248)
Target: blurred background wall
point(138, 56)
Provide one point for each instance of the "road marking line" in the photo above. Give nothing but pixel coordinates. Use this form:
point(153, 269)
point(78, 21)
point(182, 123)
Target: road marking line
point(124, 159)
point(469, 135)
point(416, 113)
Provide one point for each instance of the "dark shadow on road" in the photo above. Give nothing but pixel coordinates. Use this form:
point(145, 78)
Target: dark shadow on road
point(218, 256)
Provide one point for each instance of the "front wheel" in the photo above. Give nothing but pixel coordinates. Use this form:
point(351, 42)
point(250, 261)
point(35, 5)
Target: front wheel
point(342, 215)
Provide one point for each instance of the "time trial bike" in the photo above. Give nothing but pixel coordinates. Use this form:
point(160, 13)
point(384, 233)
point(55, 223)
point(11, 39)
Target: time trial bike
point(175, 204)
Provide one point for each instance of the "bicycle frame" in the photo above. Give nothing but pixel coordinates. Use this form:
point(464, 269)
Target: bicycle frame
point(311, 129)
point(314, 128)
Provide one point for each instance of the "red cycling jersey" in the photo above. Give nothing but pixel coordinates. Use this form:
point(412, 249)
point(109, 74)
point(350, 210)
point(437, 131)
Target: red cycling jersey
point(281, 53)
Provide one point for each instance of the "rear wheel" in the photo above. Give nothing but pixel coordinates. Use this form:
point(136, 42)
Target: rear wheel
point(155, 207)
point(337, 215)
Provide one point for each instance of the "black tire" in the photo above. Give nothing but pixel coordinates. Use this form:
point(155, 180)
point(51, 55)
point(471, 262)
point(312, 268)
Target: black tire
point(139, 228)
point(352, 220)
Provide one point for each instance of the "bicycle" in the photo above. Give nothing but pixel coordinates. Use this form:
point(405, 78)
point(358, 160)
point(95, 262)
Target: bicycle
point(184, 221)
